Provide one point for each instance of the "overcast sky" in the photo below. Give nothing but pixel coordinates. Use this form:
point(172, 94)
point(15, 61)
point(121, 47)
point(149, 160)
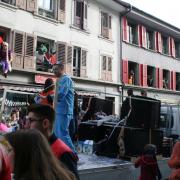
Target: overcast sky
point(166, 10)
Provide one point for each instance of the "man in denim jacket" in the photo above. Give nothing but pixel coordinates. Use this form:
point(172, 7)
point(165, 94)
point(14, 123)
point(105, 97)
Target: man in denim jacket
point(64, 104)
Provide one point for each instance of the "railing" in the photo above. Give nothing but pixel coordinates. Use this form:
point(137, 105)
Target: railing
point(46, 13)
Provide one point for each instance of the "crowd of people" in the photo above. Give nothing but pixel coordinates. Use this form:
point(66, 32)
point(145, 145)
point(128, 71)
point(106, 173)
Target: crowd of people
point(41, 146)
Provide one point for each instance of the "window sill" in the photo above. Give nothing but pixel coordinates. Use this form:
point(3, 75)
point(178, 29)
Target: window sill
point(106, 39)
point(8, 6)
point(80, 30)
point(53, 21)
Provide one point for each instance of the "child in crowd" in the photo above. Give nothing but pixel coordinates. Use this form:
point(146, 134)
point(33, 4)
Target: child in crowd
point(174, 162)
point(148, 164)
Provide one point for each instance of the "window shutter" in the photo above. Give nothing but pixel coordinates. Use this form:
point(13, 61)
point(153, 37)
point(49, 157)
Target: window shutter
point(143, 37)
point(104, 68)
point(169, 46)
point(160, 78)
point(157, 78)
point(173, 80)
point(83, 70)
point(68, 64)
point(141, 74)
point(125, 32)
point(32, 6)
point(30, 47)
point(62, 10)
point(144, 75)
point(125, 71)
point(61, 52)
point(109, 69)
point(21, 4)
point(138, 34)
point(155, 41)
point(85, 9)
point(159, 42)
point(18, 49)
point(110, 27)
point(173, 48)
point(170, 80)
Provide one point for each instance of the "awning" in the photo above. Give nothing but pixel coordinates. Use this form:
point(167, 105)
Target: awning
point(22, 88)
point(90, 94)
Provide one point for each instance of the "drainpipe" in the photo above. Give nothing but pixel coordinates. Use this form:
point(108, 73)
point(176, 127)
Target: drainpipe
point(128, 10)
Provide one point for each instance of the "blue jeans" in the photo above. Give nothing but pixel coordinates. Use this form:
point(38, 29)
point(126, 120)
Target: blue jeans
point(61, 129)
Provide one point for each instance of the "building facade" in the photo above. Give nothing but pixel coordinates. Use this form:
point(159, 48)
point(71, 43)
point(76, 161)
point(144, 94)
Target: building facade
point(83, 34)
point(150, 55)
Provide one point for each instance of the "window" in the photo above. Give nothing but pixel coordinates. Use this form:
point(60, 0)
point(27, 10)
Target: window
point(177, 47)
point(178, 81)
point(106, 25)
point(166, 79)
point(164, 45)
point(151, 76)
point(79, 62)
point(45, 54)
point(76, 61)
point(150, 41)
point(133, 73)
point(133, 35)
point(80, 14)
point(12, 2)
point(106, 70)
point(46, 8)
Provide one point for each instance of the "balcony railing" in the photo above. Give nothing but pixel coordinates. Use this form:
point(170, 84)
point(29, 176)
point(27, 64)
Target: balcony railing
point(46, 13)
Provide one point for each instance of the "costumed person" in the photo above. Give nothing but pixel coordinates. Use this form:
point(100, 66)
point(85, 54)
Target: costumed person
point(47, 95)
point(5, 59)
point(148, 164)
point(174, 162)
point(64, 104)
point(51, 57)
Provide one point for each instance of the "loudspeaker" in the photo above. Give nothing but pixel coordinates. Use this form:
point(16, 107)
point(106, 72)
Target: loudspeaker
point(134, 139)
point(145, 112)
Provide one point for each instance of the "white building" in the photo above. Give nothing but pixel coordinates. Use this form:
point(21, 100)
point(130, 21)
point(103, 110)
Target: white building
point(84, 33)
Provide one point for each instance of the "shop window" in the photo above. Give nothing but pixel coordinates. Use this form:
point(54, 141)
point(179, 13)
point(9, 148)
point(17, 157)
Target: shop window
point(164, 45)
point(12, 2)
point(133, 73)
point(166, 79)
point(150, 39)
point(133, 35)
point(177, 49)
point(178, 81)
point(106, 21)
point(80, 14)
point(151, 76)
point(45, 54)
point(47, 8)
point(79, 62)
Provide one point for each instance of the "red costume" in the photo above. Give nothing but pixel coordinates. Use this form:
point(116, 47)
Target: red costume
point(174, 162)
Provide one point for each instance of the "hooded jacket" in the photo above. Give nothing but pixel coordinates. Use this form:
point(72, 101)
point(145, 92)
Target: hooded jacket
point(149, 167)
